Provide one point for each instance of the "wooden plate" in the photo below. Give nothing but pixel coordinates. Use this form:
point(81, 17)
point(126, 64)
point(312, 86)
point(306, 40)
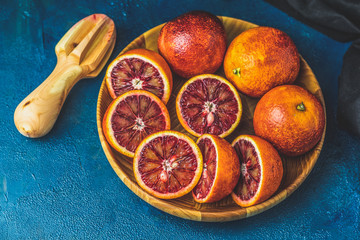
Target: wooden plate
point(296, 169)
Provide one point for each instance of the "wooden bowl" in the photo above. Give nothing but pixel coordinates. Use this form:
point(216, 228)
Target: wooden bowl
point(296, 169)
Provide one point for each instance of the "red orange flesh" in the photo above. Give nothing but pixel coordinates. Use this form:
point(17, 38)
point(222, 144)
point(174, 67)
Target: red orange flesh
point(167, 164)
point(208, 104)
point(131, 117)
point(139, 69)
point(221, 169)
point(261, 170)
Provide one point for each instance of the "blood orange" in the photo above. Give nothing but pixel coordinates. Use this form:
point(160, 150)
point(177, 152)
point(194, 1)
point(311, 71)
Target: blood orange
point(221, 169)
point(139, 69)
point(261, 58)
point(167, 164)
point(208, 104)
point(133, 116)
point(193, 43)
point(261, 170)
point(291, 118)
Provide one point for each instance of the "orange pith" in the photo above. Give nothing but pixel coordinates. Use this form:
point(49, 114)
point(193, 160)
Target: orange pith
point(208, 104)
point(261, 58)
point(131, 117)
point(167, 164)
point(221, 169)
point(261, 170)
point(139, 69)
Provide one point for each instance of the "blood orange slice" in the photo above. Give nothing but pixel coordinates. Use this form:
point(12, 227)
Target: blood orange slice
point(139, 69)
point(221, 169)
point(261, 170)
point(168, 164)
point(131, 117)
point(208, 104)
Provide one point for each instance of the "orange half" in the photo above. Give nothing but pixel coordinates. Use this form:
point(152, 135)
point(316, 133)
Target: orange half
point(167, 164)
point(261, 170)
point(139, 69)
point(221, 169)
point(209, 104)
point(131, 117)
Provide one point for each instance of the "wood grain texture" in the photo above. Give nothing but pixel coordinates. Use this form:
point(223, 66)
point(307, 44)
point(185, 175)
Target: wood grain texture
point(81, 53)
point(296, 169)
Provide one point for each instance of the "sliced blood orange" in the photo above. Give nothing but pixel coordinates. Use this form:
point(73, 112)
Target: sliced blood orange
point(139, 69)
point(133, 116)
point(261, 170)
point(221, 169)
point(167, 164)
point(208, 104)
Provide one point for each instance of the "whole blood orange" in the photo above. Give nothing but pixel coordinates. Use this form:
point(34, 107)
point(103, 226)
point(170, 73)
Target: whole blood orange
point(291, 118)
point(131, 117)
point(193, 43)
point(221, 169)
point(167, 164)
point(139, 69)
point(208, 104)
point(261, 170)
point(261, 58)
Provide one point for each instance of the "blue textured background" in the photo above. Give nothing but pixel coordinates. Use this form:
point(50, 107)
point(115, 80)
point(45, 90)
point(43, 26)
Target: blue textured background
point(61, 186)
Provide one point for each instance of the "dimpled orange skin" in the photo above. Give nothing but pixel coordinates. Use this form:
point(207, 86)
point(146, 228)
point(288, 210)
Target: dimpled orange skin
point(193, 43)
point(271, 171)
point(227, 170)
point(265, 57)
point(293, 132)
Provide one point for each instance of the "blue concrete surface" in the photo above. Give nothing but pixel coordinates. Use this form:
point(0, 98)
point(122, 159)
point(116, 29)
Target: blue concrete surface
point(61, 186)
